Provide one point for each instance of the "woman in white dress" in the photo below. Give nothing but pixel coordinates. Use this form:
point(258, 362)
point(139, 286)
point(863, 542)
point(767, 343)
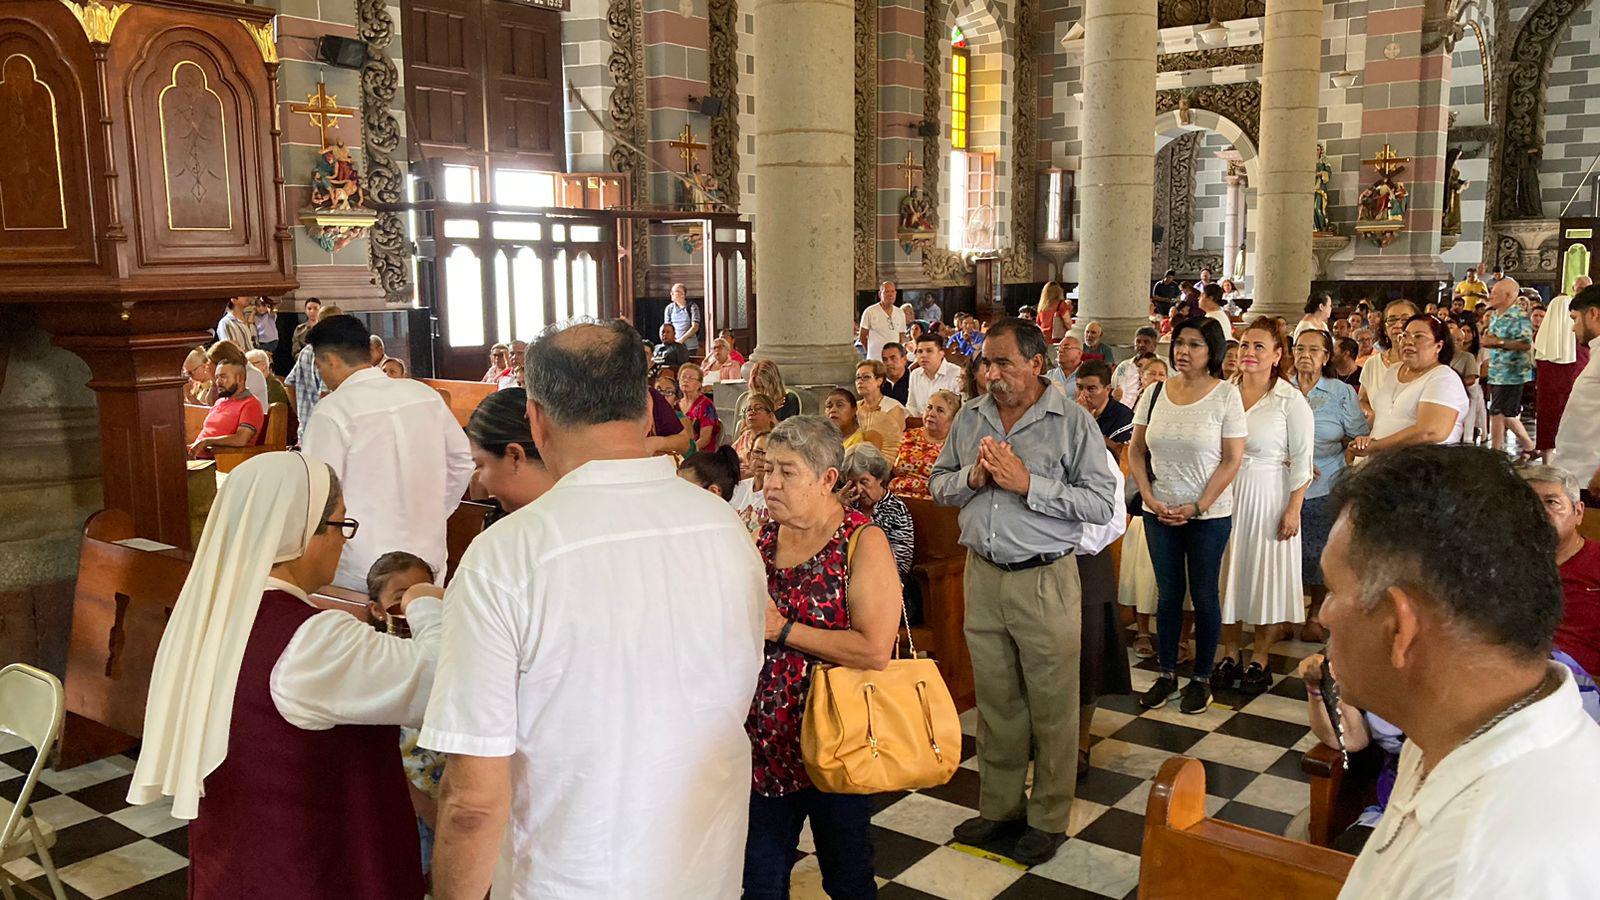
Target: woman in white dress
point(1261, 580)
point(1136, 579)
point(1423, 400)
point(1468, 363)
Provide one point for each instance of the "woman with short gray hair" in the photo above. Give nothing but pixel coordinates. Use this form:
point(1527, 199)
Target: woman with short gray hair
point(834, 598)
point(866, 476)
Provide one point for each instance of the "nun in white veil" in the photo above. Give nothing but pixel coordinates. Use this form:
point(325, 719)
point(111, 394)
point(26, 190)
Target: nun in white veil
point(273, 724)
point(1558, 358)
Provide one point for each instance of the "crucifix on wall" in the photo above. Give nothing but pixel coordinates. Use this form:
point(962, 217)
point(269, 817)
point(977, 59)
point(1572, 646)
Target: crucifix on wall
point(687, 148)
point(324, 111)
point(910, 169)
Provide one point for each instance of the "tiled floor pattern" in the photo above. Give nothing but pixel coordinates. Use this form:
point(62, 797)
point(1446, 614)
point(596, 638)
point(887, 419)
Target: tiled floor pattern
point(1250, 747)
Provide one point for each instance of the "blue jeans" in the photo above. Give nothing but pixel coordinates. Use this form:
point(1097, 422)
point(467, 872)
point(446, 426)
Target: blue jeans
point(839, 828)
point(1187, 559)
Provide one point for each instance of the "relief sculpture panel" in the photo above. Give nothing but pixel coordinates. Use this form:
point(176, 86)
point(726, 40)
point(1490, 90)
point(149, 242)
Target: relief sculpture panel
point(194, 152)
point(32, 193)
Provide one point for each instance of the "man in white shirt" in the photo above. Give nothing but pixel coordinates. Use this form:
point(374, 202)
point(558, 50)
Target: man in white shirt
point(933, 373)
point(1125, 380)
point(1211, 305)
point(883, 322)
point(1449, 640)
point(398, 451)
point(593, 704)
point(1578, 440)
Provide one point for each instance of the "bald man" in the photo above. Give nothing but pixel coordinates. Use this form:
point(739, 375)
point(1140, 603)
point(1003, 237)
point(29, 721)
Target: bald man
point(1069, 355)
point(883, 323)
point(1509, 339)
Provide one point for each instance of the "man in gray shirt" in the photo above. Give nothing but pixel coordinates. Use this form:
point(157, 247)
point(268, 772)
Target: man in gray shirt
point(1027, 466)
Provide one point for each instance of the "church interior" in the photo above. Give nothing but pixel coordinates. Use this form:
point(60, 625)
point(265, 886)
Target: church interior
point(461, 175)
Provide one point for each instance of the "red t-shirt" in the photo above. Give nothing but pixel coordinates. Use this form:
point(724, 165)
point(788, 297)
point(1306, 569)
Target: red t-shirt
point(1579, 632)
point(231, 412)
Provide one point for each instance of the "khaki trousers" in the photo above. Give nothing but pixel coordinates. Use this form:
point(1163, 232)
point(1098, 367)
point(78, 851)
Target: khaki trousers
point(1023, 630)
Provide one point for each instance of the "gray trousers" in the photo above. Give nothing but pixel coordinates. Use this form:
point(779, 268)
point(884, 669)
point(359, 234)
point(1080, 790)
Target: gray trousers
point(1023, 630)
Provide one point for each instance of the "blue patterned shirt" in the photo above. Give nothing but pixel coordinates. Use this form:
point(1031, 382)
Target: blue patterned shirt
point(308, 386)
point(1510, 366)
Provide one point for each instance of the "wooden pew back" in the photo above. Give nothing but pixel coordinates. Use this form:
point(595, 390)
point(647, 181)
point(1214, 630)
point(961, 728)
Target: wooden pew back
point(119, 611)
point(938, 563)
point(461, 396)
point(1183, 849)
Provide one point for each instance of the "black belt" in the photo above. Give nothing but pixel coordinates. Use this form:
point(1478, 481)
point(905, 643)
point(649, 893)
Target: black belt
point(1032, 562)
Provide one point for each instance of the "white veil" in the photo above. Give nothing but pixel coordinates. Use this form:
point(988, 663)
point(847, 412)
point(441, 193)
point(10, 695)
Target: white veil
point(265, 513)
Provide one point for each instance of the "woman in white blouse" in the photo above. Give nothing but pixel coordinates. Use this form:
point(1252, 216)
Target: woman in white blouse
point(1262, 585)
point(1188, 441)
point(1422, 401)
point(1376, 370)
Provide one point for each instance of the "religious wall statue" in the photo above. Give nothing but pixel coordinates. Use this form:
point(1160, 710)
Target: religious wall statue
point(335, 184)
point(916, 211)
point(1319, 203)
point(701, 190)
point(1381, 208)
point(1454, 184)
point(338, 213)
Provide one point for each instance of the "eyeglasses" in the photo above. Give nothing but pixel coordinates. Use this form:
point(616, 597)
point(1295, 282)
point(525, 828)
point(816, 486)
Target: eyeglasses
point(348, 527)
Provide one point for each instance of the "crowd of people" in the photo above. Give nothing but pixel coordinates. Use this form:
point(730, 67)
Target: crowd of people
point(560, 720)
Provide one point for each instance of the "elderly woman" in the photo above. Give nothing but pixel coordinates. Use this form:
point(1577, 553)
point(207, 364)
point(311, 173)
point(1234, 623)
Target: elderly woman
point(198, 370)
point(1336, 420)
point(840, 409)
point(878, 413)
point(721, 365)
point(499, 363)
point(866, 487)
point(834, 598)
point(1422, 400)
point(759, 418)
point(698, 409)
point(920, 446)
point(270, 722)
point(766, 380)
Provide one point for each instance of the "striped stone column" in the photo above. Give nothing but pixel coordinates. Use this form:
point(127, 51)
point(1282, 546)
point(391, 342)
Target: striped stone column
point(1291, 71)
point(805, 152)
point(1119, 88)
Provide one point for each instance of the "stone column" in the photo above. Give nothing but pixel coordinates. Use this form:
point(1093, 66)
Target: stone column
point(1233, 223)
point(1119, 88)
point(805, 285)
point(1290, 72)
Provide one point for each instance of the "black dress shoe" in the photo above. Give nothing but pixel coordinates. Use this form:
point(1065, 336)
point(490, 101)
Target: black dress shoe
point(1226, 673)
point(1083, 764)
point(978, 830)
point(1036, 847)
point(1255, 680)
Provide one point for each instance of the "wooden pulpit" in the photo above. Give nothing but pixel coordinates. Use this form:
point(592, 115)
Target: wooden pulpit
point(141, 189)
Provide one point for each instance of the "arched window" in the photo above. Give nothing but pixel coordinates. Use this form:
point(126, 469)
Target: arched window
point(960, 67)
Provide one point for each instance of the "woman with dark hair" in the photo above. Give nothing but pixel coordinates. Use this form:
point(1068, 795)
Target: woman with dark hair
point(1422, 401)
point(1376, 371)
point(1188, 442)
point(882, 418)
point(1337, 419)
point(1468, 362)
point(1262, 586)
point(760, 415)
point(1319, 307)
point(715, 470)
point(507, 465)
point(840, 409)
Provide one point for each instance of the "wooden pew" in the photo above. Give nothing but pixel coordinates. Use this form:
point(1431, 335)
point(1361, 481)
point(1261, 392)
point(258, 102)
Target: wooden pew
point(1338, 795)
point(1186, 853)
point(461, 396)
point(119, 611)
point(466, 523)
point(938, 562)
point(1590, 526)
point(274, 437)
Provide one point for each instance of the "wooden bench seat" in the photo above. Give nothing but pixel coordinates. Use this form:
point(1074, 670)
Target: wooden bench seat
point(461, 396)
point(938, 563)
point(1186, 854)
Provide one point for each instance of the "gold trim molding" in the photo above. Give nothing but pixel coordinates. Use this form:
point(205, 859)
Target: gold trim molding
point(265, 38)
point(99, 19)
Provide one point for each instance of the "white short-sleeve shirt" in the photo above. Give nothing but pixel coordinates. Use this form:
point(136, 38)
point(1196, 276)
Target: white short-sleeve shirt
point(608, 637)
point(882, 327)
point(1186, 443)
point(1394, 403)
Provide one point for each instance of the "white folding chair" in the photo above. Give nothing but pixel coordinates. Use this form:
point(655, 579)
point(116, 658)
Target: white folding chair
point(32, 707)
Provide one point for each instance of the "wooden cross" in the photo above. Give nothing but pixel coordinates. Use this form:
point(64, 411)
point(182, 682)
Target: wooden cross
point(1387, 162)
point(323, 110)
point(686, 146)
point(910, 169)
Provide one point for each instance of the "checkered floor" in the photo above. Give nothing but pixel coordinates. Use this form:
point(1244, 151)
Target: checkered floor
point(1251, 749)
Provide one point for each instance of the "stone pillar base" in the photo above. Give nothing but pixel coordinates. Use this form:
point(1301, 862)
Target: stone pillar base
point(1415, 267)
point(812, 364)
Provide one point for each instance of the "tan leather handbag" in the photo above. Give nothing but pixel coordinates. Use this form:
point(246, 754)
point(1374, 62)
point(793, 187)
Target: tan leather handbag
point(868, 732)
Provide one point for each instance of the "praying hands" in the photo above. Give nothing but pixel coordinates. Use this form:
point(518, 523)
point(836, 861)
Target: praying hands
point(1000, 464)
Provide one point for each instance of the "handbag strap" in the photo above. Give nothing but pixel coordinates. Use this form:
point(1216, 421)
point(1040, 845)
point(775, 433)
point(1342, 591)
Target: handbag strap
point(905, 617)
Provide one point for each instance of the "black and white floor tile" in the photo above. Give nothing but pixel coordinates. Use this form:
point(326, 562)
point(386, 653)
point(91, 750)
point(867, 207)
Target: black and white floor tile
point(1250, 746)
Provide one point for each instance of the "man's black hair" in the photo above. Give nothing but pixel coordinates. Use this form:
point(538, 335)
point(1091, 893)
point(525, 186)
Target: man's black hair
point(344, 337)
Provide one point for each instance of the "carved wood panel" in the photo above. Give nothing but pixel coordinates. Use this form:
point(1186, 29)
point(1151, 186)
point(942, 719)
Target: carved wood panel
point(195, 126)
point(523, 80)
point(45, 213)
point(443, 44)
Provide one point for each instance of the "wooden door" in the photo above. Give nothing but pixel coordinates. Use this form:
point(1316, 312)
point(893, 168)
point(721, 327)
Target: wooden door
point(730, 287)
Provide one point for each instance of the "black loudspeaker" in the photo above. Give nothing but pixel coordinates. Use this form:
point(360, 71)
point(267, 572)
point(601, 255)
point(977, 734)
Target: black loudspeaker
point(1156, 233)
point(927, 129)
point(346, 53)
point(710, 107)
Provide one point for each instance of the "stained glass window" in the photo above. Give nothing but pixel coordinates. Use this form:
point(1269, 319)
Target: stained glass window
point(959, 63)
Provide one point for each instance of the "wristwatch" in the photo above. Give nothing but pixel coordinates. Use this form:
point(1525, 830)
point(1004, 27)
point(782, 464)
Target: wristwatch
point(1199, 510)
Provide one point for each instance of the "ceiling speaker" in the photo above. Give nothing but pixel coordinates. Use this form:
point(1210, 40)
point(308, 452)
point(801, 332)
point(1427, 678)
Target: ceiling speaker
point(710, 107)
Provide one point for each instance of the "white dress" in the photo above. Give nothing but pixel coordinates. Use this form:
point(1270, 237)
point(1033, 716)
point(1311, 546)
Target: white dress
point(1136, 580)
point(1261, 574)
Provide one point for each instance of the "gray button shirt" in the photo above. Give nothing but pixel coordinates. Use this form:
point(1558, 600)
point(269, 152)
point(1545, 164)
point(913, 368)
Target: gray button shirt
point(1070, 485)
